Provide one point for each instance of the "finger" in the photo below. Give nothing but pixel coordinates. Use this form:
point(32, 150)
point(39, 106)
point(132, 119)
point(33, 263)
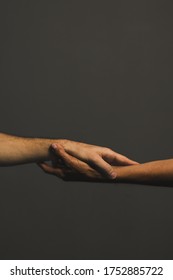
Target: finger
point(69, 160)
point(51, 170)
point(116, 158)
point(80, 170)
point(103, 167)
point(69, 174)
point(47, 168)
point(55, 160)
point(55, 148)
point(123, 160)
point(96, 161)
point(126, 161)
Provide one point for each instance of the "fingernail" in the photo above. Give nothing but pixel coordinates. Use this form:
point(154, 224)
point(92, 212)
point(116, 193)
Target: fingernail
point(113, 175)
point(54, 146)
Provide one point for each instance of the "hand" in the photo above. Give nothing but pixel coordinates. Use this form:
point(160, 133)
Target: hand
point(100, 158)
point(71, 168)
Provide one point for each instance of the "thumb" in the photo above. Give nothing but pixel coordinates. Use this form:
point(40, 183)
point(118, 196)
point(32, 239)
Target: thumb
point(56, 148)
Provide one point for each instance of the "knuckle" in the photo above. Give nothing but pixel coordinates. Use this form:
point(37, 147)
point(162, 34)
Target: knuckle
point(107, 150)
point(93, 161)
point(94, 158)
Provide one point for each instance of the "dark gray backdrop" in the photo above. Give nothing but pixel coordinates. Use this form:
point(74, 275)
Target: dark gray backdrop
point(98, 72)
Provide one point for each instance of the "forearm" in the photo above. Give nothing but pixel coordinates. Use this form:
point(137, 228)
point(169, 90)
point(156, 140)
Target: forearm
point(19, 150)
point(154, 173)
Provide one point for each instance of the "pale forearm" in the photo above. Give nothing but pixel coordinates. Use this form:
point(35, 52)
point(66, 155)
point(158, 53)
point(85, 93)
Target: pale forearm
point(20, 150)
point(154, 173)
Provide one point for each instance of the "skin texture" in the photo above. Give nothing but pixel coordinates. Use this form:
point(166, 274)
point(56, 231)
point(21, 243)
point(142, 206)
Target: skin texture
point(19, 150)
point(70, 169)
point(99, 158)
point(151, 173)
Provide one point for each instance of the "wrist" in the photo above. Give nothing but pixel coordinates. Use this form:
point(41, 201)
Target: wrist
point(41, 148)
point(124, 173)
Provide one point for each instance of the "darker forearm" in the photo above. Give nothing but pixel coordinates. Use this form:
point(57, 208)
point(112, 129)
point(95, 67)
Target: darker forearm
point(154, 173)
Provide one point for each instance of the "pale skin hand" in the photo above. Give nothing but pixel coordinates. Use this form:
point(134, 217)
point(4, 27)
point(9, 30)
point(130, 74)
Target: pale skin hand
point(19, 150)
point(151, 173)
point(72, 169)
point(99, 158)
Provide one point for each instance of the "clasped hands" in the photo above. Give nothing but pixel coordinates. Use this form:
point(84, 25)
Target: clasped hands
point(75, 161)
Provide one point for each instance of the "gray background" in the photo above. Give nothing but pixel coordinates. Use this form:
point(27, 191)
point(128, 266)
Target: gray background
point(98, 72)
